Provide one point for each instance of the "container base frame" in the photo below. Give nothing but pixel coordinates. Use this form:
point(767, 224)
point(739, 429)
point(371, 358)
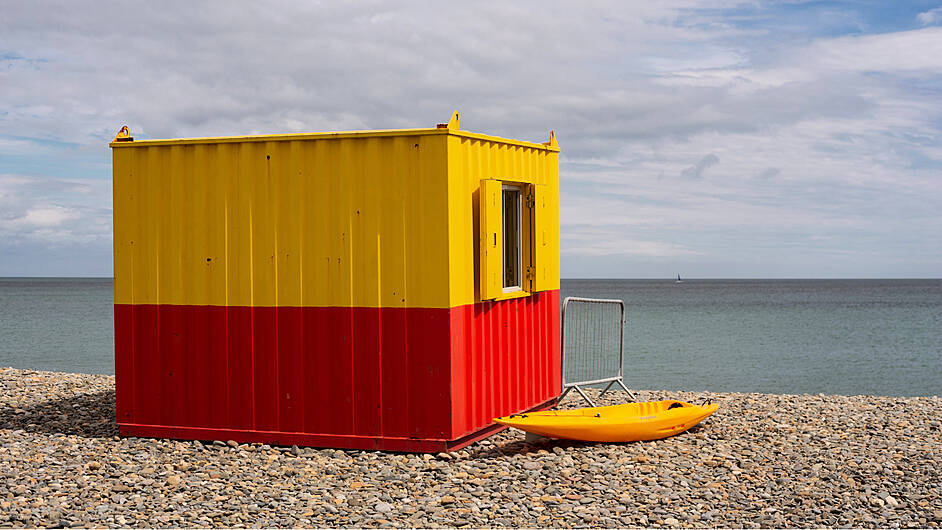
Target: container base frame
point(335, 441)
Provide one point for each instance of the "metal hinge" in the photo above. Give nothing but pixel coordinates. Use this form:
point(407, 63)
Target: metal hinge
point(531, 200)
point(531, 272)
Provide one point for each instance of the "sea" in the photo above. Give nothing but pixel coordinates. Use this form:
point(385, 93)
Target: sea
point(850, 337)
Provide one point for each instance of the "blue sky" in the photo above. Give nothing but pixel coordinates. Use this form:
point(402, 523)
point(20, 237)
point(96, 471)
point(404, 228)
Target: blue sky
point(710, 139)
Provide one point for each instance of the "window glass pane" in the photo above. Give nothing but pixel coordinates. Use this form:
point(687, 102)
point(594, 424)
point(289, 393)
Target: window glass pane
point(511, 237)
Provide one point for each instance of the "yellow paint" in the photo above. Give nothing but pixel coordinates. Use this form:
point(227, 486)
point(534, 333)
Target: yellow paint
point(454, 123)
point(124, 135)
point(473, 160)
point(630, 422)
point(367, 219)
point(491, 239)
point(545, 263)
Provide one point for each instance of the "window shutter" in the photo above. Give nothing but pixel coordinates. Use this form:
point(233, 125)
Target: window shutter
point(543, 240)
point(491, 239)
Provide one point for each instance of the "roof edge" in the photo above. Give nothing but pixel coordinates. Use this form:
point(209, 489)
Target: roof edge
point(549, 146)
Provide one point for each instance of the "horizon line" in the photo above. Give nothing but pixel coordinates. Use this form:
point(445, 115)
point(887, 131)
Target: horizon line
point(666, 278)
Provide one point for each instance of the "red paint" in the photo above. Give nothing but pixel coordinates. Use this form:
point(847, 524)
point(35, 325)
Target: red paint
point(505, 358)
point(408, 377)
point(386, 443)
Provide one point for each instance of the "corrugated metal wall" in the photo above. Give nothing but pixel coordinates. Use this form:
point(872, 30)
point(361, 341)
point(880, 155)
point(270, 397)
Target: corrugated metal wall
point(346, 371)
point(505, 353)
point(505, 358)
point(356, 222)
point(473, 159)
point(320, 289)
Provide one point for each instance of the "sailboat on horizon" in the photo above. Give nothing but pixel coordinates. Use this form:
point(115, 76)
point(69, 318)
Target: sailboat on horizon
point(678, 279)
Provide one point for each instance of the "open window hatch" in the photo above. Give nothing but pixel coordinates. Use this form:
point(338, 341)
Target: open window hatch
point(514, 246)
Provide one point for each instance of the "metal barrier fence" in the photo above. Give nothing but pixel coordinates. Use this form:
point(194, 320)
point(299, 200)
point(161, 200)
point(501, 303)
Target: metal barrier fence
point(593, 343)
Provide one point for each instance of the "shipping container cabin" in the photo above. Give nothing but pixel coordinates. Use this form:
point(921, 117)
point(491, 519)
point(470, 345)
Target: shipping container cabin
point(391, 289)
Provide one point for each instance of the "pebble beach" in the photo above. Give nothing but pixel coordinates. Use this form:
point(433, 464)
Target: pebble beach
point(761, 461)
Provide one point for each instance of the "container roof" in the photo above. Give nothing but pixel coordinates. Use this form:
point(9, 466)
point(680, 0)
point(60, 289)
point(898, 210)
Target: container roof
point(124, 139)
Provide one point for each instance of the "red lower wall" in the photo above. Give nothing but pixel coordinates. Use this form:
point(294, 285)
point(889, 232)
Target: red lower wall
point(505, 358)
point(364, 372)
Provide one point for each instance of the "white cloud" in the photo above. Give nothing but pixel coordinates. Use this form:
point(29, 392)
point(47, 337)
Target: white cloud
point(917, 50)
point(18, 146)
point(686, 134)
point(42, 216)
point(930, 17)
point(597, 241)
point(54, 211)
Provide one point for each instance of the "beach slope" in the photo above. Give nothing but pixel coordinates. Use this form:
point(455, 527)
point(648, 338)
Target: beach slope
point(761, 460)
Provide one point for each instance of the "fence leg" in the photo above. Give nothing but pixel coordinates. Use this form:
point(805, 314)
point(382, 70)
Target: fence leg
point(607, 387)
point(630, 393)
point(585, 397)
point(563, 395)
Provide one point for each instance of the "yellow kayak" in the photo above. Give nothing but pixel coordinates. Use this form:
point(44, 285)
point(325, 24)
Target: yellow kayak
point(651, 420)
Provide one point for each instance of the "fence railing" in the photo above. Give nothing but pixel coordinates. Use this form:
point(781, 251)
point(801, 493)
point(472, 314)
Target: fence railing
point(593, 344)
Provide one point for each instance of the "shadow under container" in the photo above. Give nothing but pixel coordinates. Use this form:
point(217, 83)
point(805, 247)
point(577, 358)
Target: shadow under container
point(390, 290)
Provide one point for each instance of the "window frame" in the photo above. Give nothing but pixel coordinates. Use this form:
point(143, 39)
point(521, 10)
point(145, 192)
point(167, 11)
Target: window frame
point(490, 259)
point(519, 287)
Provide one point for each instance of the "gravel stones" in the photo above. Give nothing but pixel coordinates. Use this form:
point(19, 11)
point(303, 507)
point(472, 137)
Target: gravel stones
point(760, 461)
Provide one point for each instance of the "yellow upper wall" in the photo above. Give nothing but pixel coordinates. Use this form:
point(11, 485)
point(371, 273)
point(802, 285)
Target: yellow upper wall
point(364, 219)
point(292, 222)
point(472, 159)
